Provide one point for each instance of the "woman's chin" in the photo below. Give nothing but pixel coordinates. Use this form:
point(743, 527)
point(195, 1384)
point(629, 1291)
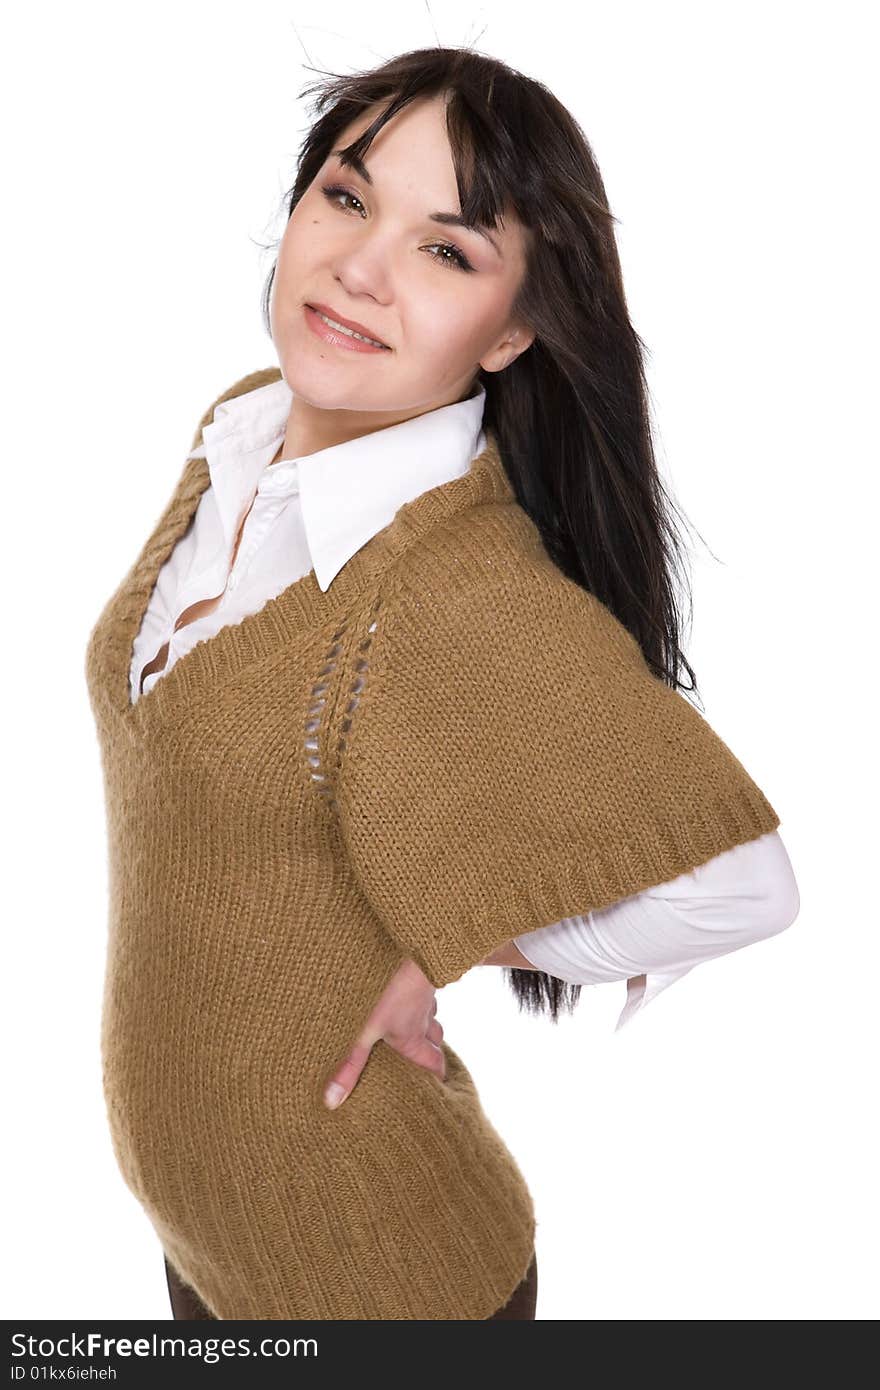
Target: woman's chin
point(317, 376)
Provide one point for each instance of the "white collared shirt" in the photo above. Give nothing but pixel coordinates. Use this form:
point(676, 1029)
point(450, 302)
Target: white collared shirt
point(315, 512)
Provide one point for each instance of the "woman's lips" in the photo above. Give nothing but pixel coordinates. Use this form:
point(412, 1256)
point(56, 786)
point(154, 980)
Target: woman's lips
point(334, 336)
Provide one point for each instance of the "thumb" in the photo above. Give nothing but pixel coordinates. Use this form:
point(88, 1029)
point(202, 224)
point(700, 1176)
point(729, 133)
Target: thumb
point(344, 1079)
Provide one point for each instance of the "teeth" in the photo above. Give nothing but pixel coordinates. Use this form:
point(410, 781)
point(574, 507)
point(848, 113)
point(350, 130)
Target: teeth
point(349, 331)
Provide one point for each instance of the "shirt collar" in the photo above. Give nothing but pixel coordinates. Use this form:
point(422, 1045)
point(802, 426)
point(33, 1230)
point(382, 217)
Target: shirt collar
point(348, 492)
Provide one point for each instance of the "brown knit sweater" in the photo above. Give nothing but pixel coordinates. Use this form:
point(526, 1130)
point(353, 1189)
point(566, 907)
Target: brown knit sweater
point(452, 745)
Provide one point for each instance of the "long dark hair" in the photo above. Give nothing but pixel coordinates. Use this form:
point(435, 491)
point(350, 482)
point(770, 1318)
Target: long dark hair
point(571, 412)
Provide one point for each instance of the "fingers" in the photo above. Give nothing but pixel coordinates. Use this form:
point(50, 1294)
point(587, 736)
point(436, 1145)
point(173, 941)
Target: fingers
point(429, 1055)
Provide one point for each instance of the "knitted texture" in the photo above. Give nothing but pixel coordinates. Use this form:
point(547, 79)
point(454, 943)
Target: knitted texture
point(452, 745)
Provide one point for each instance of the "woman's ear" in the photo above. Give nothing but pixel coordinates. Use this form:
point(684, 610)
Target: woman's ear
point(515, 341)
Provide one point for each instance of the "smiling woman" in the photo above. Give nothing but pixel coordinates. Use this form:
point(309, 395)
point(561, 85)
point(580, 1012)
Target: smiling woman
point(393, 679)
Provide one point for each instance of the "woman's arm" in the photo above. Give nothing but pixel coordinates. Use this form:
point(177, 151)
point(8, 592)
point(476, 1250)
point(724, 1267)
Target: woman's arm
point(509, 954)
point(655, 937)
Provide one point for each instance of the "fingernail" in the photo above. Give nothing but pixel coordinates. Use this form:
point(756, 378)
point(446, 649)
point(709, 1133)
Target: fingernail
point(333, 1094)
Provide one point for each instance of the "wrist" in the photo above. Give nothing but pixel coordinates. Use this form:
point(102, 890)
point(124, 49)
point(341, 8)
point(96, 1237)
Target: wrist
point(510, 956)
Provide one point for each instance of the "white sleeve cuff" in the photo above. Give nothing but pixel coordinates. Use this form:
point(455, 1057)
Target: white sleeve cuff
point(641, 989)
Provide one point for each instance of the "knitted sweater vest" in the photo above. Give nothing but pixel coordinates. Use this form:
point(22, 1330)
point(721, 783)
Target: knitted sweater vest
point(452, 745)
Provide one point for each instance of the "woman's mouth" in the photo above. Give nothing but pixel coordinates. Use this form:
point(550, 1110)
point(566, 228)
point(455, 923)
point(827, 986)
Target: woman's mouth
point(331, 331)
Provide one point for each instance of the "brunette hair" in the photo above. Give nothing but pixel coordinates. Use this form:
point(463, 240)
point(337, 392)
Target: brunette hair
point(571, 412)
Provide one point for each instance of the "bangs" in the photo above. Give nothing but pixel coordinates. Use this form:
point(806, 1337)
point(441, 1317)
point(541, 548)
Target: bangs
point(484, 184)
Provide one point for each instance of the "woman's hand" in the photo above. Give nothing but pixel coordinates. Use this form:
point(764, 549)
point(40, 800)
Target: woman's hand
point(404, 1018)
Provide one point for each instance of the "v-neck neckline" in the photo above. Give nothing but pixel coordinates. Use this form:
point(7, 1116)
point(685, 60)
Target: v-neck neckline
point(215, 659)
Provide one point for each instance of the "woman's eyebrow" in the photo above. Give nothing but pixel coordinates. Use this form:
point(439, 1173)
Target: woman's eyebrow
point(447, 219)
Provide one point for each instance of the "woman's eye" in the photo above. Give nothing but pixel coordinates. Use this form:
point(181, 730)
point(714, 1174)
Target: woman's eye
point(459, 261)
point(333, 192)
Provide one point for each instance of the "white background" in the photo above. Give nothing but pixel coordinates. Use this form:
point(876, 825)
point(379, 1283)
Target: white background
point(717, 1158)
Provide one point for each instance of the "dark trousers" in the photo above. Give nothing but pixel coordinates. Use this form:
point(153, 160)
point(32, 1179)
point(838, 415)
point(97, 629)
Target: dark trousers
point(187, 1306)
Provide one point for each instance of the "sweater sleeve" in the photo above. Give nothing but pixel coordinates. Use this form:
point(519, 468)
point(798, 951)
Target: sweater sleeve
point(510, 760)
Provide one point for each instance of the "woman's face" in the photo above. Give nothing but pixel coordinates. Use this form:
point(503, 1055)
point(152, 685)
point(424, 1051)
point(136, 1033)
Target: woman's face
point(369, 251)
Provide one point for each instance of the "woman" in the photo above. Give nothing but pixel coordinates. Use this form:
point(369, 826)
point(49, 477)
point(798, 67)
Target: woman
point(391, 691)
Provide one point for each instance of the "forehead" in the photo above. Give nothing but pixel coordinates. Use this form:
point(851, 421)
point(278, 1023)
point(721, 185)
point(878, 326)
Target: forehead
point(405, 134)
point(422, 120)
